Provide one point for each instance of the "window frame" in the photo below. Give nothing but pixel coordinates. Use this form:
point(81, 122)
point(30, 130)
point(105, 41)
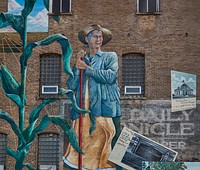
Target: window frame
point(5, 149)
point(61, 7)
point(157, 7)
point(129, 71)
point(43, 78)
point(41, 135)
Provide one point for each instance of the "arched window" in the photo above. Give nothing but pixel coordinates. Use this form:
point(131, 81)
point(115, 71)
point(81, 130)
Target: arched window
point(50, 75)
point(3, 145)
point(48, 151)
point(133, 75)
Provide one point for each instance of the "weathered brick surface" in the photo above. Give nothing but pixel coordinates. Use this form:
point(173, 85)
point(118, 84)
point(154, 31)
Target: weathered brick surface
point(169, 40)
point(3, 7)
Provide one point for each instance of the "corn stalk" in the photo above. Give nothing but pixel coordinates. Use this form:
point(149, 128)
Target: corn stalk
point(16, 91)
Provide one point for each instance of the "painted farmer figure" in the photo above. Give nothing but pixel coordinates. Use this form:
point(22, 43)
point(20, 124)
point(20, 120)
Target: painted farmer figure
point(100, 95)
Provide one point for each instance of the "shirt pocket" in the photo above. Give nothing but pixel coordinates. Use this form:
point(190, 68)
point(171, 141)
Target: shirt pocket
point(108, 108)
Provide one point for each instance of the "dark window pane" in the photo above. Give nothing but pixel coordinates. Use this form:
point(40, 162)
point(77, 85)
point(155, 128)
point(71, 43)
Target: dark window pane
point(66, 6)
point(148, 6)
point(56, 6)
point(152, 6)
point(142, 5)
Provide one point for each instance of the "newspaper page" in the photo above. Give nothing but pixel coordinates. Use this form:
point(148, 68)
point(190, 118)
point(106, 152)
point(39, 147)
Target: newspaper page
point(131, 149)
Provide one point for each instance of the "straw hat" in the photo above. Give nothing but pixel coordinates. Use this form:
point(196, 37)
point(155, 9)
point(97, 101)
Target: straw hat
point(107, 35)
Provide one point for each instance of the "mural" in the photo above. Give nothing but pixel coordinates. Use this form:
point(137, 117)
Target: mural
point(37, 20)
point(170, 165)
point(132, 149)
point(95, 83)
point(183, 91)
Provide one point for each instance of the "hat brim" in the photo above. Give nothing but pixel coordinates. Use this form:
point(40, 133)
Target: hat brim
point(107, 35)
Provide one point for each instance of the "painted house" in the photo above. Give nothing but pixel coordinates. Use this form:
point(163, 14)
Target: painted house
point(183, 91)
point(150, 37)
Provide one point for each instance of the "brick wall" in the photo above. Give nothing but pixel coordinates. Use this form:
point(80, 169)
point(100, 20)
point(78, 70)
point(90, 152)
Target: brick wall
point(4, 6)
point(169, 41)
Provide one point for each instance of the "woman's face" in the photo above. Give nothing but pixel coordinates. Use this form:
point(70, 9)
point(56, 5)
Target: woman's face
point(95, 40)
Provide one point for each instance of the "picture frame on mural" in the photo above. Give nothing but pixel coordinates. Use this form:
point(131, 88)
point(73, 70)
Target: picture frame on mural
point(183, 91)
point(132, 148)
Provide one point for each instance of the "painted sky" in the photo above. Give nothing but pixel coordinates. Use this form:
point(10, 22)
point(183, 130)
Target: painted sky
point(37, 19)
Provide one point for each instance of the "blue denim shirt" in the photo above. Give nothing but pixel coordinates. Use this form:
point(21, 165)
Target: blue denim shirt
point(103, 88)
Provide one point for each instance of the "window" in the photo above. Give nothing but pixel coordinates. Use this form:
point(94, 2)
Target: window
point(60, 6)
point(3, 145)
point(50, 75)
point(48, 151)
point(133, 75)
point(148, 6)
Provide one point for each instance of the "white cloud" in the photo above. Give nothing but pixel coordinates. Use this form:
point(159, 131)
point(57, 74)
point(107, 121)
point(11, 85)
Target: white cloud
point(38, 22)
point(14, 6)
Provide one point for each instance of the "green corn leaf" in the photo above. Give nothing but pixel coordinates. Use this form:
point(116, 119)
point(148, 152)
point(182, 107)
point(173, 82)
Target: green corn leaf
point(26, 54)
point(66, 50)
point(28, 131)
point(46, 4)
point(72, 97)
point(34, 116)
point(70, 133)
point(43, 124)
point(63, 124)
point(9, 83)
point(15, 128)
point(35, 112)
point(93, 122)
point(16, 21)
point(11, 153)
point(3, 23)
point(0, 75)
point(23, 149)
point(55, 17)
point(66, 55)
point(28, 7)
point(4, 86)
point(28, 166)
point(15, 98)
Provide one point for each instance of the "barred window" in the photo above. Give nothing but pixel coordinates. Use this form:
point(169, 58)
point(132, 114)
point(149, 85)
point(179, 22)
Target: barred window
point(133, 75)
point(148, 6)
point(48, 151)
point(3, 145)
point(50, 75)
point(60, 6)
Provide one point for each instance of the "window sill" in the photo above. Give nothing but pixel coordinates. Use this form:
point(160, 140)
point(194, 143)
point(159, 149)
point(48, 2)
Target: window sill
point(61, 14)
point(148, 13)
point(132, 98)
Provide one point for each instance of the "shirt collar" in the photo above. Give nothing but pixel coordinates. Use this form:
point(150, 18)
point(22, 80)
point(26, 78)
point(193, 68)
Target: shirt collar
point(98, 53)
